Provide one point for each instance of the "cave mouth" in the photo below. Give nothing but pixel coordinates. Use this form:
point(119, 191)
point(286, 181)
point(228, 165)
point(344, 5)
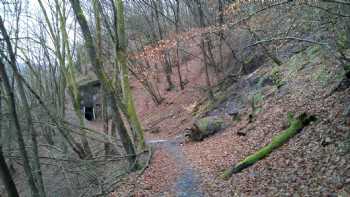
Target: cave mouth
point(89, 113)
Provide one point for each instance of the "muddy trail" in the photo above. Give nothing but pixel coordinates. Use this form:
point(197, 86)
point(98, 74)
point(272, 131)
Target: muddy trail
point(188, 181)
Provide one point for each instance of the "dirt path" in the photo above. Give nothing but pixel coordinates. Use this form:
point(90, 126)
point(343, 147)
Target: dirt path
point(188, 181)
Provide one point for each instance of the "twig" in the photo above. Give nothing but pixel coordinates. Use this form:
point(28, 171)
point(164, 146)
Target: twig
point(337, 1)
point(286, 38)
point(154, 123)
point(325, 10)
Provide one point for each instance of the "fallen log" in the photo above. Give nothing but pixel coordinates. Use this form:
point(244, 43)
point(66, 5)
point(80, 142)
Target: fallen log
point(204, 127)
point(295, 125)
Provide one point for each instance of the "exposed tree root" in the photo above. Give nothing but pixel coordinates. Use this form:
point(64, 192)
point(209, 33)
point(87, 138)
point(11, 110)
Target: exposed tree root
point(295, 125)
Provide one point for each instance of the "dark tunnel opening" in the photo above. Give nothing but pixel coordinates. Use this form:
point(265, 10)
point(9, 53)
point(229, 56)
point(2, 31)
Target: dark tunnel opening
point(89, 113)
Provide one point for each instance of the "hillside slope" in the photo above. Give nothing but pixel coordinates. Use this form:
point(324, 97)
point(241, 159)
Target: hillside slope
point(315, 162)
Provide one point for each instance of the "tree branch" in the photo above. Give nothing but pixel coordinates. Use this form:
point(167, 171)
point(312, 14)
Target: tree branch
point(286, 38)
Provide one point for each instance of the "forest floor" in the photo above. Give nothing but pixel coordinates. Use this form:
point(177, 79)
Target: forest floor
point(313, 163)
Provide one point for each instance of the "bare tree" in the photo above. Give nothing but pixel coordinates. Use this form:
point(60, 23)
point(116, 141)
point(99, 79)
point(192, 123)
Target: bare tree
point(5, 173)
point(98, 69)
point(38, 189)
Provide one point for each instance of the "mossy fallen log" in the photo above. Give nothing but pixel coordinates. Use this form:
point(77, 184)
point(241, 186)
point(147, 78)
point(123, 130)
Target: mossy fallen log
point(204, 127)
point(295, 125)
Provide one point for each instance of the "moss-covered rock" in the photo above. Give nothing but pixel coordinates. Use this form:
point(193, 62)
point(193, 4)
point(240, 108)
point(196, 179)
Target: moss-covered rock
point(205, 127)
point(310, 55)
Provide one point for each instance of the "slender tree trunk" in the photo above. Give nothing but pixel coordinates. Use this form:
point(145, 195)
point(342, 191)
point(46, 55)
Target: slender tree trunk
point(123, 133)
point(76, 147)
point(18, 129)
point(5, 173)
point(122, 59)
point(167, 66)
point(204, 52)
point(177, 18)
point(211, 57)
point(106, 84)
point(33, 134)
point(206, 65)
point(73, 85)
point(266, 50)
point(6, 177)
point(145, 80)
point(152, 89)
point(221, 34)
point(84, 141)
point(60, 49)
point(107, 145)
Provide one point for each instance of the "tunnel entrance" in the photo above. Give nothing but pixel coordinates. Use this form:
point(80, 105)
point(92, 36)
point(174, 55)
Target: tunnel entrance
point(89, 113)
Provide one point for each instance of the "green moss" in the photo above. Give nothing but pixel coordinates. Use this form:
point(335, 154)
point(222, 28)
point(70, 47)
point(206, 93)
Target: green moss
point(313, 52)
point(209, 123)
point(342, 40)
point(255, 101)
point(249, 60)
point(258, 97)
point(311, 55)
point(209, 105)
point(296, 124)
point(322, 75)
point(295, 63)
point(277, 77)
point(137, 166)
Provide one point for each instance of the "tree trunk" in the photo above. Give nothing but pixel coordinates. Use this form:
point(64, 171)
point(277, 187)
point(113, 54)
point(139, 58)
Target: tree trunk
point(5, 173)
point(152, 89)
point(207, 78)
point(33, 134)
point(122, 59)
point(177, 21)
point(266, 50)
point(123, 133)
point(221, 33)
point(167, 66)
point(6, 177)
point(106, 84)
point(204, 52)
point(69, 74)
point(295, 125)
point(18, 129)
point(107, 145)
point(64, 75)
